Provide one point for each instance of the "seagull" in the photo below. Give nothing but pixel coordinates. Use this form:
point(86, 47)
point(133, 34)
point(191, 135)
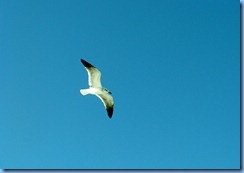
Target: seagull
point(95, 88)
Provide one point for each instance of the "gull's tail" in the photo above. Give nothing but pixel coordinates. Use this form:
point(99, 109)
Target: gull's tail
point(85, 91)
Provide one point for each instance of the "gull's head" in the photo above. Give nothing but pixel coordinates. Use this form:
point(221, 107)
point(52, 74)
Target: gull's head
point(107, 90)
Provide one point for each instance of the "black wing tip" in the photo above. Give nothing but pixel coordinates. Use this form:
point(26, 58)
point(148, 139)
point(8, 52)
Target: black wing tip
point(86, 64)
point(110, 112)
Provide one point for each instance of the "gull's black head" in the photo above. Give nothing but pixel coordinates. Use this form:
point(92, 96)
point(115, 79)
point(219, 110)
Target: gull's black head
point(107, 90)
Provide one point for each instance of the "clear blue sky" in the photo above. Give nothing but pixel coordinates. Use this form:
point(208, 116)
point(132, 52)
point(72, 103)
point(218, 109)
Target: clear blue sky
point(173, 68)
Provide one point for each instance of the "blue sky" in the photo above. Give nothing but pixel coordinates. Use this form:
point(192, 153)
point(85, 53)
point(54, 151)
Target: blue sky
point(172, 66)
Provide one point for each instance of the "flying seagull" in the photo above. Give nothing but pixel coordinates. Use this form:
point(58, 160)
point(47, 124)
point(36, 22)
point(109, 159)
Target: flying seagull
point(95, 88)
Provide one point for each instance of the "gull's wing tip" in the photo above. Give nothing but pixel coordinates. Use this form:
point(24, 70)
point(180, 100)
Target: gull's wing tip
point(86, 64)
point(110, 112)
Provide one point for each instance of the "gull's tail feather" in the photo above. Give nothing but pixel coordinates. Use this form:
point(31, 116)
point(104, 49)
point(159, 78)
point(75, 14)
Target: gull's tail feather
point(85, 91)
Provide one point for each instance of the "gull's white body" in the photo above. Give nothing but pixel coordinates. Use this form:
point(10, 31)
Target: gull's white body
point(95, 87)
point(91, 90)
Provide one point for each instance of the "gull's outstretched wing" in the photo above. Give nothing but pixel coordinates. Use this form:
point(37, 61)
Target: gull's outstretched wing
point(108, 102)
point(93, 73)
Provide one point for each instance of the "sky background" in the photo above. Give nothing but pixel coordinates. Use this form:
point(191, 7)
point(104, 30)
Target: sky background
point(173, 68)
